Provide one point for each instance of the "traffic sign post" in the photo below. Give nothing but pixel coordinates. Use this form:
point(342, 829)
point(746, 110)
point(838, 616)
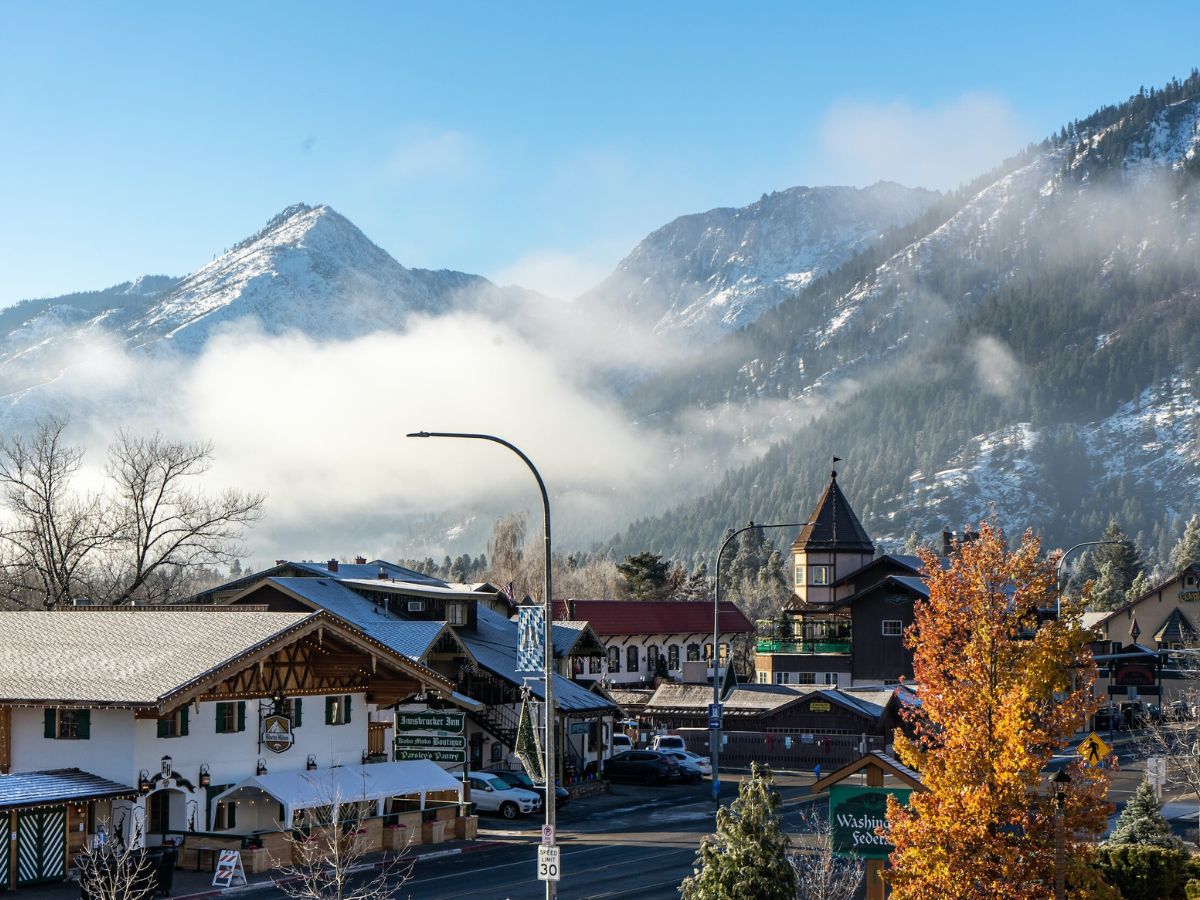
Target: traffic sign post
point(1094, 750)
point(548, 864)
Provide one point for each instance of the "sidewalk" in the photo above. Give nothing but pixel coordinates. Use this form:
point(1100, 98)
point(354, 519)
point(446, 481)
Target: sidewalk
point(189, 885)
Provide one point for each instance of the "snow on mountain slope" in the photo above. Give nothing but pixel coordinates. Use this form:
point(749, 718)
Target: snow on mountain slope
point(1152, 442)
point(309, 269)
point(713, 272)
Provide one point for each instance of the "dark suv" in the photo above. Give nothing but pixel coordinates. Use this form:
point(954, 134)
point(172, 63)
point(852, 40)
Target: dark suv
point(645, 766)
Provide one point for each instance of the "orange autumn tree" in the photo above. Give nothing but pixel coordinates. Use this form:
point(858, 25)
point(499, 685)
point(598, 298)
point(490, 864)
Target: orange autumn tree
point(998, 695)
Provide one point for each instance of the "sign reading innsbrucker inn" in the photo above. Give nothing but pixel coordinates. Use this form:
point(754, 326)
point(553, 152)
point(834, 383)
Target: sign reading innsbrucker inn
point(855, 813)
point(434, 734)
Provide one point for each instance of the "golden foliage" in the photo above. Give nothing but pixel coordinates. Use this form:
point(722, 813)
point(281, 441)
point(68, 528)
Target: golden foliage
point(999, 695)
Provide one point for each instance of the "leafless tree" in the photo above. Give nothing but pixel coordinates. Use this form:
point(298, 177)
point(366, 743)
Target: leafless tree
point(116, 870)
point(820, 874)
point(52, 532)
point(327, 859)
point(144, 539)
point(165, 527)
point(1175, 738)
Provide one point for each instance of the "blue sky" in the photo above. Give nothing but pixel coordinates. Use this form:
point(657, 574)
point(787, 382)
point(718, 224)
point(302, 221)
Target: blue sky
point(533, 143)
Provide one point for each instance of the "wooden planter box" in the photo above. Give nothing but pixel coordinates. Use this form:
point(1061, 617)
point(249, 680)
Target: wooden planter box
point(257, 861)
point(433, 832)
point(466, 828)
point(396, 840)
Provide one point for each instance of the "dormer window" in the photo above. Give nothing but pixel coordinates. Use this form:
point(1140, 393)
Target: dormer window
point(456, 613)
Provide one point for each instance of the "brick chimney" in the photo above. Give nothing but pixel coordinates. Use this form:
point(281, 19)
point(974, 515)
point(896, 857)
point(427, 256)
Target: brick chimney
point(360, 560)
point(332, 565)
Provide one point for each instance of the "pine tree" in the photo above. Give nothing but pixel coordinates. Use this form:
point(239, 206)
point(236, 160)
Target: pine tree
point(647, 576)
point(747, 857)
point(1187, 551)
point(1142, 822)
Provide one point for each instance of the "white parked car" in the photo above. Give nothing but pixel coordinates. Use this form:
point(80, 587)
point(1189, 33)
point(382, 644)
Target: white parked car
point(666, 742)
point(491, 794)
point(689, 761)
point(621, 743)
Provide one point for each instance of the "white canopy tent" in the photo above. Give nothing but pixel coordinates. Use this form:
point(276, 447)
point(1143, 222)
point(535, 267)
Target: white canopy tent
point(349, 784)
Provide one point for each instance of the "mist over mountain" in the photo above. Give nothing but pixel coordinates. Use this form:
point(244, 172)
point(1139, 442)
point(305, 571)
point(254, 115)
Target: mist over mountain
point(1027, 345)
point(710, 273)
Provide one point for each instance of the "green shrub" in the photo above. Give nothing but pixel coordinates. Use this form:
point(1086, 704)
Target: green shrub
point(1192, 889)
point(1144, 872)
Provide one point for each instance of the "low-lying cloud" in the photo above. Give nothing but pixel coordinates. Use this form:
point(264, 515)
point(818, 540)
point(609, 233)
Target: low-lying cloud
point(938, 146)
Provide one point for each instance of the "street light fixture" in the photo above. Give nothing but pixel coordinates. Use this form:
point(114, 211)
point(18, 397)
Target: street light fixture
point(549, 766)
point(714, 738)
point(1061, 780)
point(1058, 571)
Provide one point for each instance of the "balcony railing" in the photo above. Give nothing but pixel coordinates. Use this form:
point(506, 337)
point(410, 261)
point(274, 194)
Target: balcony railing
point(767, 646)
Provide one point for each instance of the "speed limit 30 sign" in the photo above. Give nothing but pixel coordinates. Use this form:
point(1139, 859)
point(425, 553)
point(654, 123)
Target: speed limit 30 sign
point(547, 864)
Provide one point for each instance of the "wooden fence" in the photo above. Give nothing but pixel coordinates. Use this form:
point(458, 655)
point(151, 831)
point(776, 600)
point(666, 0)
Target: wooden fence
point(783, 751)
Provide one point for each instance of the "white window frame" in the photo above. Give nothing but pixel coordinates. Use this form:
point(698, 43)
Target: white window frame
point(822, 576)
point(831, 678)
point(883, 627)
point(783, 677)
point(456, 613)
point(799, 574)
point(762, 678)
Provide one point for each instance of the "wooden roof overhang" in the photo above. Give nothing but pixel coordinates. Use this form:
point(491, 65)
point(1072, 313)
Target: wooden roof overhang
point(319, 655)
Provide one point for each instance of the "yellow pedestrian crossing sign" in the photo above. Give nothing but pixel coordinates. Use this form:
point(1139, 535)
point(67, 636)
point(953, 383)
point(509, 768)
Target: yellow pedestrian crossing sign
point(1094, 750)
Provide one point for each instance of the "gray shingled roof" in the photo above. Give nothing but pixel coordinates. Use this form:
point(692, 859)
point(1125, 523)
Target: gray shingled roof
point(57, 786)
point(494, 645)
point(137, 657)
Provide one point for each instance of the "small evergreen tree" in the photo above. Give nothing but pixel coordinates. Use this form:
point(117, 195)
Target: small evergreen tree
point(1187, 551)
point(747, 857)
point(1142, 822)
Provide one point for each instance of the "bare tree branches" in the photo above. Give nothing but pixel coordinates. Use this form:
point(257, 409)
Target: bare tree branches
point(53, 531)
point(137, 542)
point(819, 874)
point(162, 525)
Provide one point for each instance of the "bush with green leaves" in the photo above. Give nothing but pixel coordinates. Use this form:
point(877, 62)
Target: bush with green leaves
point(748, 856)
point(1142, 872)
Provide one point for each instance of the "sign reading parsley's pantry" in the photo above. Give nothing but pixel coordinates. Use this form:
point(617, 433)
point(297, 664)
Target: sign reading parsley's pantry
point(433, 734)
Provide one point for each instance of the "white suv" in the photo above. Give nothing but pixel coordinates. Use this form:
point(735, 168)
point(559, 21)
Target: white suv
point(490, 794)
point(669, 742)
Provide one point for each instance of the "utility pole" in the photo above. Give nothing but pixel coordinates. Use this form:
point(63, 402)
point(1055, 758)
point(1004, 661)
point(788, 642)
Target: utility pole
point(551, 769)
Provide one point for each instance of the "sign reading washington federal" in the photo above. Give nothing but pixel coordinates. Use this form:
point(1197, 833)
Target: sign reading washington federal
point(854, 815)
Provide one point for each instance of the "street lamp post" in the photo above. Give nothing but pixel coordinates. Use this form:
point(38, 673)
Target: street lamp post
point(714, 737)
point(551, 770)
point(1061, 780)
point(1058, 569)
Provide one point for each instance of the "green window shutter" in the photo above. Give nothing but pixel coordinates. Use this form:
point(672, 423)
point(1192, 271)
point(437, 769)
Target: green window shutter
point(298, 711)
point(51, 724)
point(241, 713)
point(183, 722)
point(330, 706)
point(346, 720)
point(164, 728)
point(220, 709)
point(83, 724)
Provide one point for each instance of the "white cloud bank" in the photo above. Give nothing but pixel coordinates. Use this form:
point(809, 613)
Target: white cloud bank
point(937, 146)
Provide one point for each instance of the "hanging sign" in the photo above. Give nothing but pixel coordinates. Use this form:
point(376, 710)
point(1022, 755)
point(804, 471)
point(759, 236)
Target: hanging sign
point(277, 733)
point(854, 814)
point(433, 734)
point(531, 638)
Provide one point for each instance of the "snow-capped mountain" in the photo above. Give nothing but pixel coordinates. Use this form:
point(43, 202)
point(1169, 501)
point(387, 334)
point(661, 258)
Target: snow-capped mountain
point(709, 273)
point(987, 357)
point(308, 270)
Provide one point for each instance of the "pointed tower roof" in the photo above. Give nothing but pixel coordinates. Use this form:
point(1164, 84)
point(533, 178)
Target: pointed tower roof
point(834, 526)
